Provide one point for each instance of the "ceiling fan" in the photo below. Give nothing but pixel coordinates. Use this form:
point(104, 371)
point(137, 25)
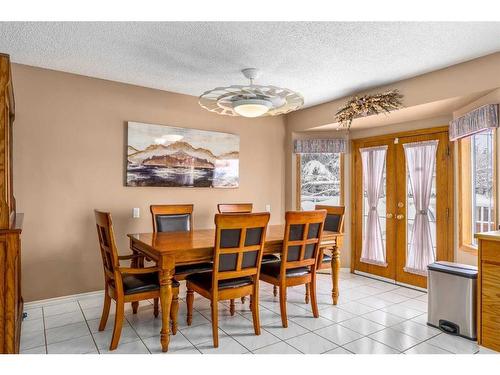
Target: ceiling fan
point(251, 100)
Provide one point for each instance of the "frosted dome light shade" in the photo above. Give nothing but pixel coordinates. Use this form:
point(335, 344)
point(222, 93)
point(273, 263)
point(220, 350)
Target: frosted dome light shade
point(251, 107)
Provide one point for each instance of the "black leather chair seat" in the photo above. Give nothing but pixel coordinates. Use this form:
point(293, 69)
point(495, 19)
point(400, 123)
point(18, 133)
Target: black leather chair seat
point(204, 280)
point(273, 269)
point(143, 283)
point(269, 258)
point(193, 268)
point(326, 258)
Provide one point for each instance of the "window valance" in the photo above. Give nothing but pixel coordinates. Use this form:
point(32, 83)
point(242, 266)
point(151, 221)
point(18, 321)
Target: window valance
point(319, 146)
point(479, 119)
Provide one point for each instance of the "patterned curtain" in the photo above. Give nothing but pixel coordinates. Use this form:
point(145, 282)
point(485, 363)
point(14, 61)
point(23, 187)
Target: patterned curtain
point(479, 119)
point(319, 146)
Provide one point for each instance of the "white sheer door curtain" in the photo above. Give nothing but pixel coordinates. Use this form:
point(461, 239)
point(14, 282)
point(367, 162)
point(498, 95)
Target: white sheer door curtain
point(420, 161)
point(373, 161)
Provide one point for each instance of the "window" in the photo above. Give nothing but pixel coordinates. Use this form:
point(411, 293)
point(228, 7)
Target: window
point(319, 180)
point(477, 186)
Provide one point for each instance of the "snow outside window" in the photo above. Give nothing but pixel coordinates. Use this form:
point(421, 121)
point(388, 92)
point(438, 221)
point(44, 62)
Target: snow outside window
point(482, 163)
point(319, 180)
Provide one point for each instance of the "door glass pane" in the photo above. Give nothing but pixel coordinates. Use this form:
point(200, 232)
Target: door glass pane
point(319, 180)
point(410, 212)
point(381, 209)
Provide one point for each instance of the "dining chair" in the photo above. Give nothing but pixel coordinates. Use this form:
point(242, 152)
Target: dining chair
point(244, 208)
point(334, 222)
point(126, 284)
point(238, 249)
point(235, 208)
point(177, 218)
point(299, 257)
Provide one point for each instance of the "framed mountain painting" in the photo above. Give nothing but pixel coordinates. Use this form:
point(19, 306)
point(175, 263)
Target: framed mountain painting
point(159, 155)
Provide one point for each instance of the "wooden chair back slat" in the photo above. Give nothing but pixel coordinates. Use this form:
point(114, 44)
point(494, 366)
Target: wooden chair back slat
point(107, 245)
point(240, 208)
point(170, 210)
point(303, 231)
point(235, 253)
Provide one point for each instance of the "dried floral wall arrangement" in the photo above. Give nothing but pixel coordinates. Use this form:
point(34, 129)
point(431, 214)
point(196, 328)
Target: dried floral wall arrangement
point(366, 105)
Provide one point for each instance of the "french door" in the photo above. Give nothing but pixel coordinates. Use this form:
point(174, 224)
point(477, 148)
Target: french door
point(402, 204)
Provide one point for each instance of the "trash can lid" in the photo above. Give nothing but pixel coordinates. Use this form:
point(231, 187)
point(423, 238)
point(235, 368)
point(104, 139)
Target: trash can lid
point(462, 270)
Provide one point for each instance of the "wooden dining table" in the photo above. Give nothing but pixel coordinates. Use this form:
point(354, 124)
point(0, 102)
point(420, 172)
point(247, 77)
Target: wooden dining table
point(170, 249)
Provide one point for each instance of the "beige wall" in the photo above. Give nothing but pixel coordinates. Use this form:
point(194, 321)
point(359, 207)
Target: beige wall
point(69, 159)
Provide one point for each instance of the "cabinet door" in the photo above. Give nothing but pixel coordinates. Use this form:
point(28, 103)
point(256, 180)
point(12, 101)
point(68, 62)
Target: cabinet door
point(490, 308)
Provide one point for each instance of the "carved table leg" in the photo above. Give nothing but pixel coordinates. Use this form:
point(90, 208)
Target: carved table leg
point(166, 303)
point(335, 273)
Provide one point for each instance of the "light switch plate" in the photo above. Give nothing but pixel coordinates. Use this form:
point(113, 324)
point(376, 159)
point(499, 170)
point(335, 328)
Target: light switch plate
point(268, 207)
point(136, 212)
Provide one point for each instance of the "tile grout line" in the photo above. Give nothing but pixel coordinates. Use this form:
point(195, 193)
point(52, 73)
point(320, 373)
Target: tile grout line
point(44, 332)
point(232, 335)
point(87, 324)
point(265, 346)
point(285, 340)
point(195, 346)
point(170, 333)
point(133, 329)
point(313, 334)
point(279, 338)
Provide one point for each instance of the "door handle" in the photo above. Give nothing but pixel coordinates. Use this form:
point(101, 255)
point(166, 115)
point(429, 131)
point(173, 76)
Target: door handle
point(389, 216)
point(400, 216)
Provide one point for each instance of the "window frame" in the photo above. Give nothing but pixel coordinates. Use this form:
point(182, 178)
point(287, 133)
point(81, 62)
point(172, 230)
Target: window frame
point(298, 179)
point(465, 217)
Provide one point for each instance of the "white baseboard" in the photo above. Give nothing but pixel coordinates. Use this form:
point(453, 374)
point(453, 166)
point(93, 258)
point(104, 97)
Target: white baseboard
point(69, 298)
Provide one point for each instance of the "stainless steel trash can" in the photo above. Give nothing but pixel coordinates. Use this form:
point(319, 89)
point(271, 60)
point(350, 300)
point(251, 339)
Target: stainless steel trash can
point(452, 298)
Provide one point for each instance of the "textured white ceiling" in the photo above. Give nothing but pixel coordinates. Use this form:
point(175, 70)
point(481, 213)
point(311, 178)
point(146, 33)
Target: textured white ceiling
point(323, 61)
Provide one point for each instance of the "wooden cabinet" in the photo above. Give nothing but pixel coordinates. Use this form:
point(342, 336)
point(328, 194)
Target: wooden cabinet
point(488, 330)
point(11, 301)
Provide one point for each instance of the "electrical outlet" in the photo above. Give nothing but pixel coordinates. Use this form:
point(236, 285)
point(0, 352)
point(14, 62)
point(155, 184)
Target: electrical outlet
point(268, 207)
point(136, 213)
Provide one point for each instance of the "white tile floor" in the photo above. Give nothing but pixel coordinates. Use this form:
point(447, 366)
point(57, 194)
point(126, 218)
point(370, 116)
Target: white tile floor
point(371, 317)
